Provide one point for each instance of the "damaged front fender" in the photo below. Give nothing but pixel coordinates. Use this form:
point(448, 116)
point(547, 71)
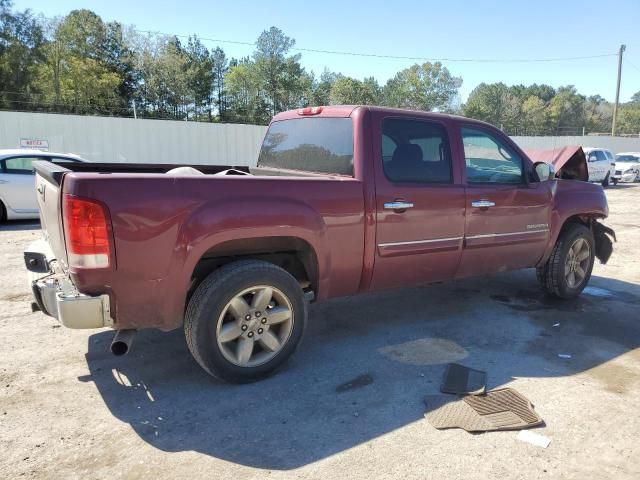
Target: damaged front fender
point(604, 245)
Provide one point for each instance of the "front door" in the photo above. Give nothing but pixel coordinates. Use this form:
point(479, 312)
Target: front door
point(18, 184)
point(420, 203)
point(507, 221)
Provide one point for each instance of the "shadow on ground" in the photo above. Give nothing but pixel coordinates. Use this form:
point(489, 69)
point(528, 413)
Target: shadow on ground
point(19, 225)
point(364, 367)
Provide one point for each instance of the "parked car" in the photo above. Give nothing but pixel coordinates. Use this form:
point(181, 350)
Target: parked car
point(601, 164)
point(627, 167)
point(17, 194)
point(344, 200)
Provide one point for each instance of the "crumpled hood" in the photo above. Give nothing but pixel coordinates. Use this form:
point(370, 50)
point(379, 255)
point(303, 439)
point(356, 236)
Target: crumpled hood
point(570, 161)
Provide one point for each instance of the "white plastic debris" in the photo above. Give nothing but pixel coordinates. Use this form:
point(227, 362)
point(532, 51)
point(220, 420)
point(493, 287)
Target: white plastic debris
point(556, 324)
point(564, 355)
point(533, 438)
point(597, 292)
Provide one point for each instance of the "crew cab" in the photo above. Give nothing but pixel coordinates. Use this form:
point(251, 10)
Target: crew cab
point(343, 200)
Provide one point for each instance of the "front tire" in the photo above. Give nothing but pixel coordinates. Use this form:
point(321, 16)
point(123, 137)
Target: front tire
point(244, 320)
point(568, 269)
point(605, 182)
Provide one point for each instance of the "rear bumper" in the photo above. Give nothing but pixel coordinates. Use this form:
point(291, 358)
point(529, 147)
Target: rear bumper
point(56, 295)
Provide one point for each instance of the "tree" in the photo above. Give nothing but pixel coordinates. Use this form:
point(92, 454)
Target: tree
point(534, 116)
point(274, 68)
point(635, 98)
point(429, 86)
point(493, 103)
point(200, 75)
point(21, 51)
point(220, 67)
point(349, 91)
point(629, 119)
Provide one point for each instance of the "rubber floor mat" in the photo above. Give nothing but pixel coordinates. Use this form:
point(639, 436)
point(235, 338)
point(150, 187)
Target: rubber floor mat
point(462, 380)
point(503, 409)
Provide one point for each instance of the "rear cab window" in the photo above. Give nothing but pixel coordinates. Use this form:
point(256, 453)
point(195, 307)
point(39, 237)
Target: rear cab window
point(316, 145)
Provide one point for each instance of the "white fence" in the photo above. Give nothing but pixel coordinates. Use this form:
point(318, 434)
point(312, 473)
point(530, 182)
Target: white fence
point(107, 139)
point(615, 144)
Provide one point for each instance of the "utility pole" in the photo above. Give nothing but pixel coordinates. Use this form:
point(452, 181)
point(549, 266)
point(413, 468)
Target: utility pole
point(615, 105)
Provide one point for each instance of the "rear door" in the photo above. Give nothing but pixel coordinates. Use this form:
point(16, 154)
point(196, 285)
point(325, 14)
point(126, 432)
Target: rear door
point(507, 221)
point(18, 185)
point(419, 202)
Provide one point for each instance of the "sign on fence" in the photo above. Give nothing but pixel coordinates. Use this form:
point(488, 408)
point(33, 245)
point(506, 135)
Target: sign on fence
point(34, 143)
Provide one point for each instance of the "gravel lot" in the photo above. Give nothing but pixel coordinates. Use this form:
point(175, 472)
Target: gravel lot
point(349, 404)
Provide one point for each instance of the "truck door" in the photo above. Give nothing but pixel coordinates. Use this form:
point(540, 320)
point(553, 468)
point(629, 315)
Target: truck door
point(507, 221)
point(419, 203)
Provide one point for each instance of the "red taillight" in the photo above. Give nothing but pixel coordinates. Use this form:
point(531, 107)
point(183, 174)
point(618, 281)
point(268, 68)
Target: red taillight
point(86, 233)
point(310, 111)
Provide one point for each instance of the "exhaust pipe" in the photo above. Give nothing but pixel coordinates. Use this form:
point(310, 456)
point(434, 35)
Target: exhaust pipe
point(122, 341)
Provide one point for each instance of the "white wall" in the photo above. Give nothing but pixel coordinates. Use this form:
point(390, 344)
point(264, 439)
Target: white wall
point(615, 144)
point(108, 139)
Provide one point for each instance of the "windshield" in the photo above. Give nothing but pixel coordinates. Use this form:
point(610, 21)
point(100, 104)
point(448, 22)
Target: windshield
point(628, 158)
point(319, 145)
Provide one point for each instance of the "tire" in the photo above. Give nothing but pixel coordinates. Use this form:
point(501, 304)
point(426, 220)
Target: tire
point(614, 181)
point(605, 182)
point(552, 276)
point(217, 322)
point(3, 213)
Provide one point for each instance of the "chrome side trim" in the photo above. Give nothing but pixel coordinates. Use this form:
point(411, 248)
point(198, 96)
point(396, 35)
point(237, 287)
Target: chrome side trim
point(527, 232)
point(417, 242)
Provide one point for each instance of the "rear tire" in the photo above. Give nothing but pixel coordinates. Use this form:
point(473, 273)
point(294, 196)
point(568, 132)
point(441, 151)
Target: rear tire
point(573, 253)
point(244, 320)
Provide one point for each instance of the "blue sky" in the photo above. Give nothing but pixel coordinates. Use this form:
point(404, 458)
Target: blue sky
point(453, 29)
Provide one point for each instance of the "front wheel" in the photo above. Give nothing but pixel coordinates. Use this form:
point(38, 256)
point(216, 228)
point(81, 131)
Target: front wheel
point(605, 182)
point(244, 320)
point(568, 269)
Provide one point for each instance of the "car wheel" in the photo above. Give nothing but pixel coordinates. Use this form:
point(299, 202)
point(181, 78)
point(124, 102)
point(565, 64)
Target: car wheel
point(605, 182)
point(3, 213)
point(614, 181)
point(244, 320)
point(637, 179)
point(568, 269)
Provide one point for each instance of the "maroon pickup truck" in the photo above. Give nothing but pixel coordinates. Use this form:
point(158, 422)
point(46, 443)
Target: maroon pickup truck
point(343, 200)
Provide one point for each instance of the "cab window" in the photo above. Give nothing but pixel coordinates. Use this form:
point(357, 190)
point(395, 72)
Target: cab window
point(415, 151)
point(488, 160)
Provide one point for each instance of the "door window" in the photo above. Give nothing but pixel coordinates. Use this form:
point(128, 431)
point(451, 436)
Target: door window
point(597, 156)
point(488, 160)
point(21, 165)
point(415, 151)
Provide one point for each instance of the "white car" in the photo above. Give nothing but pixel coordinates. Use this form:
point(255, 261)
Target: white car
point(601, 165)
point(17, 181)
point(627, 167)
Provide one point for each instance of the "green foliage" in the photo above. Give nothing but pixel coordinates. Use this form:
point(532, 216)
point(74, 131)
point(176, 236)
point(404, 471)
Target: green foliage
point(429, 86)
point(81, 64)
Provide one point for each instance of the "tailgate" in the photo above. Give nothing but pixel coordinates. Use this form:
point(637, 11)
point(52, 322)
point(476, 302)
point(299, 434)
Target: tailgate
point(48, 191)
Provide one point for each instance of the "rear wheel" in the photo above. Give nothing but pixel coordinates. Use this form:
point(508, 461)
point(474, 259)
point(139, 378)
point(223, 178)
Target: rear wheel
point(244, 320)
point(568, 269)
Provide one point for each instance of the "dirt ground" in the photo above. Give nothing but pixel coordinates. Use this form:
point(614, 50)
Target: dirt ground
point(350, 402)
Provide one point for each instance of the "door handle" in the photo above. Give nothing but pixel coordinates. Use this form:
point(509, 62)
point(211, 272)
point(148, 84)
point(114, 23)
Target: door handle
point(482, 204)
point(398, 205)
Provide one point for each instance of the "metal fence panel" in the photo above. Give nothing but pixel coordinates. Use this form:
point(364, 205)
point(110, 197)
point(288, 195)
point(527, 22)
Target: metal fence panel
point(110, 139)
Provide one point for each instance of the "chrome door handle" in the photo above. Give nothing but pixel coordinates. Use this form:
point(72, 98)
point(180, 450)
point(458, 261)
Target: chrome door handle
point(398, 205)
point(482, 204)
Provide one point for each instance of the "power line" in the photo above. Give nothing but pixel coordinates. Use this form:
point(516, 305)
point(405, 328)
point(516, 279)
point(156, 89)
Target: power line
point(394, 57)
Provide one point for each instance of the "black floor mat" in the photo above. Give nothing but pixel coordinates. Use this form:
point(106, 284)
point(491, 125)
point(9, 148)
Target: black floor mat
point(462, 380)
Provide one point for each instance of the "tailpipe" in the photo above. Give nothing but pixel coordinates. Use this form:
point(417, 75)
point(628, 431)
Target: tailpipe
point(122, 341)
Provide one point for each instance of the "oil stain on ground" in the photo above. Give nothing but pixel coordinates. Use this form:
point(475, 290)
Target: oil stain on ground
point(355, 383)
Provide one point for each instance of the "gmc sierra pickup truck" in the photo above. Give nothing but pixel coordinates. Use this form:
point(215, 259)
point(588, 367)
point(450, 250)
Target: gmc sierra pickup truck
point(343, 200)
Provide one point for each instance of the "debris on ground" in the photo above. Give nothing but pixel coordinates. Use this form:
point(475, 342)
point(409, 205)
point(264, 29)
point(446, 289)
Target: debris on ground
point(502, 409)
point(564, 355)
point(461, 380)
point(533, 438)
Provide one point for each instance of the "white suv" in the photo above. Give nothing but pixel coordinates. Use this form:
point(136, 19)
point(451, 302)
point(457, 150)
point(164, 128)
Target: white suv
point(601, 164)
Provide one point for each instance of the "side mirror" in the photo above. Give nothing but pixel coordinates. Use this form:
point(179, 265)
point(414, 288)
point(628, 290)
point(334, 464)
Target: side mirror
point(544, 171)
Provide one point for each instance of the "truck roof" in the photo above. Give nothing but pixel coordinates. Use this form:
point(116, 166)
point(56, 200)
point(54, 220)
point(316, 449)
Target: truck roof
point(347, 110)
